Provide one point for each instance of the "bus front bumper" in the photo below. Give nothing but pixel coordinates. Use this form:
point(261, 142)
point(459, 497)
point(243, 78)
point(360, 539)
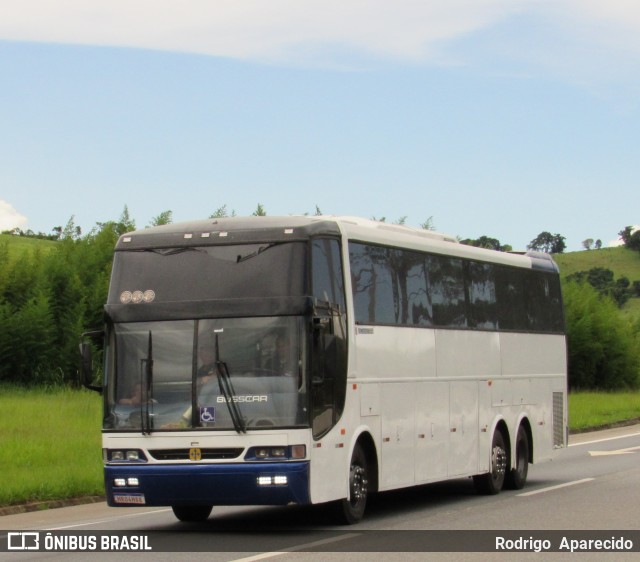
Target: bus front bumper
point(278, 483)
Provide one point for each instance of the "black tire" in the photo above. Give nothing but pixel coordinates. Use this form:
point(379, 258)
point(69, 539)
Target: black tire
point(517, 476)
point(491, 483)
point(351, 510)
point(192, 513)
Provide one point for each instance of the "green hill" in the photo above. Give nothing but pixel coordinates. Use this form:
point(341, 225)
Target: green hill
point(622, 261)
point(18, 244)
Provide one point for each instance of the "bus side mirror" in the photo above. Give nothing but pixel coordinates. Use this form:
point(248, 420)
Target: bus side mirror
point(324, 352)
point(86, 361)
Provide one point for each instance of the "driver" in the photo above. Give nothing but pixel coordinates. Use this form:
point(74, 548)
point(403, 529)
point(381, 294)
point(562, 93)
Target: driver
point(282, 356)
point(207, 360)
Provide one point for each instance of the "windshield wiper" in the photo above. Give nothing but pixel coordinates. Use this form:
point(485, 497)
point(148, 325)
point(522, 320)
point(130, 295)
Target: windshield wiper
point(226, 389)
point(146, 387)
point(172, 251)
point(254, 254)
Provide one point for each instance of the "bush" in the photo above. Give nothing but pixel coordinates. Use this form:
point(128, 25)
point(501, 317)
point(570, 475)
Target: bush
point(603, 346)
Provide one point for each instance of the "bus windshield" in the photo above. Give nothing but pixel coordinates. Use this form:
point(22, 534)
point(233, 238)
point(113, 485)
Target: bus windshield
point(214, 374)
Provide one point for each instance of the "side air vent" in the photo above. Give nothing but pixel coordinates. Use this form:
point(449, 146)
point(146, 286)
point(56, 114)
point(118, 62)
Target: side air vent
point(558, 419)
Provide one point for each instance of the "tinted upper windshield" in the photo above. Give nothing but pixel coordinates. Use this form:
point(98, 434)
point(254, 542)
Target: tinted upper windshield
point(184, 374)
point(211, 272)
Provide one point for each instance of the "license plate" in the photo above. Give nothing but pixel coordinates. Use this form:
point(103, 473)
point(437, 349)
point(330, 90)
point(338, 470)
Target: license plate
point(136, 499)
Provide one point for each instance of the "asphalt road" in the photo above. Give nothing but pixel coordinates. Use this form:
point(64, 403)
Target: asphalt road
point(594, 485)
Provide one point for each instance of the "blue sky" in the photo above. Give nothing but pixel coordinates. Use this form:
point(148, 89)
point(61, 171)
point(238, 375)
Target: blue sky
point(502, 118)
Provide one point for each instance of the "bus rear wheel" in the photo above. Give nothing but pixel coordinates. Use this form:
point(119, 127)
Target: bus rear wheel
point(491, 483)
point(192, 513)
point(517, 477)
point(350, 510)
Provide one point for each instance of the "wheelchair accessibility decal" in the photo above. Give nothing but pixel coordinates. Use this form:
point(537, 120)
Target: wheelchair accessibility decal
point(207, 414)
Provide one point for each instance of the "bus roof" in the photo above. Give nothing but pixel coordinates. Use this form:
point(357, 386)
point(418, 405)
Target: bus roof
point(242, 230)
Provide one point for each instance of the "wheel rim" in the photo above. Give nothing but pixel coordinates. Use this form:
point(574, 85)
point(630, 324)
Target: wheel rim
point(498, 463)
point(358, 485)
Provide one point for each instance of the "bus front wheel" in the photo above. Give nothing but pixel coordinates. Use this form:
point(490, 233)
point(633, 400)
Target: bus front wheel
point(191, 513)
point(350, 510)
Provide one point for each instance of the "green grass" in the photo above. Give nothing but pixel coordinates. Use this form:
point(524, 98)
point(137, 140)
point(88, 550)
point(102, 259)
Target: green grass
point(18, 244)
point(597, 409)
point(49, 444)
point(622, 261)
point(50, 441)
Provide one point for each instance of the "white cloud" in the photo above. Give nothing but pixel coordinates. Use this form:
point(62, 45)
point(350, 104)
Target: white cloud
point(10, 218)
point(619, 241)
point(590, 42)
point(256, 29)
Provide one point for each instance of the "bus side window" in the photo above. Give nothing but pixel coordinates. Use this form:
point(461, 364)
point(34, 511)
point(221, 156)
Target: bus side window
point(329, 368)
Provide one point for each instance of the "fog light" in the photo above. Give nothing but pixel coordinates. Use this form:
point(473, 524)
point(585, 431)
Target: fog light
point(280, 480)
point(133, 482)
point(120, 482)
point(264, 480)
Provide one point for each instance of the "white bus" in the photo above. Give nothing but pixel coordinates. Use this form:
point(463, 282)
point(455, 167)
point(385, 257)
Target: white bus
point(305, 360)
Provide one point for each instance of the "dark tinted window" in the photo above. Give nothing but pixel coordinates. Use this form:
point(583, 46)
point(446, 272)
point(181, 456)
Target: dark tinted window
point(389, 286)
point(447, 291)
point(327, 272)
point(512, 307)
point(211, 272)
point(481, 285)
point(408, 288)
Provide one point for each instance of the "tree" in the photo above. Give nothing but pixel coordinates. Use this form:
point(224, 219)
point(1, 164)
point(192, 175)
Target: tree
point(547, 242)
point(221, 213)
point(631, 237)
point(260, 211)
point(602, 280)
point(428, 224)
point(166, 217)
point(598, 244)
point(586, 244)
point(488, 243)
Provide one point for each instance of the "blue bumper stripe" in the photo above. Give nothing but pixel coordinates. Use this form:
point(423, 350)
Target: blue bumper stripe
point(208, 484)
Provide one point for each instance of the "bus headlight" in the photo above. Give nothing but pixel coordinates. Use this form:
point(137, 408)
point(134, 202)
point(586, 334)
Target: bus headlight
point(123, 455)
point(281, 453)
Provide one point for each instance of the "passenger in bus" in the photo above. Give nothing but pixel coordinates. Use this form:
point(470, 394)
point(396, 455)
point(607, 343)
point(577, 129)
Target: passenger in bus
point(207, 361)
point(281, 361)
point(135, 398)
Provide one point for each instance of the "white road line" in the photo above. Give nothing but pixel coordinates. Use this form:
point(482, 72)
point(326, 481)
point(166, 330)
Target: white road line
point(627, 451)
point(297, 548)
point(602, 440)
point(108, 520)
point(550, 488)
